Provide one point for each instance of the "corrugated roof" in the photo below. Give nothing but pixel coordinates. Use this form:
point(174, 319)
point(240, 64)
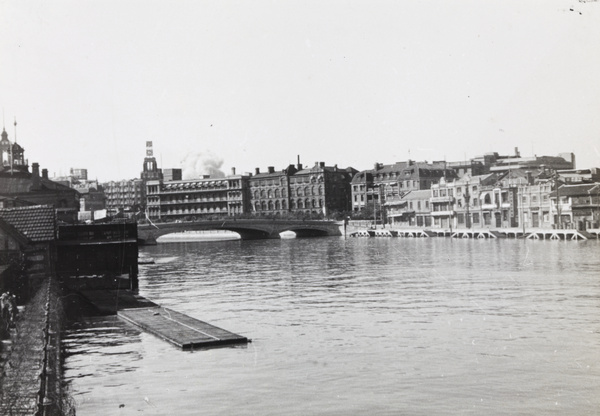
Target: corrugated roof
point(37, 223)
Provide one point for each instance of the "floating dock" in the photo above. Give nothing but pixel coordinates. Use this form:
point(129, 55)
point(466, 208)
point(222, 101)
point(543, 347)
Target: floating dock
point(179, 329)
point(172, 326)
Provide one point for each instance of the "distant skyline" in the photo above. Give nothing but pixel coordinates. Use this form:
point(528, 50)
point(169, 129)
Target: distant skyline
point(255, 84)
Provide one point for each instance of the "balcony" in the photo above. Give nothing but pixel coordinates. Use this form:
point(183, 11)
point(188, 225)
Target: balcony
point(443, 213)
point(441, 199)
point(489, 206)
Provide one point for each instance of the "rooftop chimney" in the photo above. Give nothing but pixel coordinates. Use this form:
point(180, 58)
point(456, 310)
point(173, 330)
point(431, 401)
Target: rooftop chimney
point(271, 169)
point(45, 173)
point(322, 164)
point(529, 178)
point(257, 170)
point(35, 177)
point(233, 171)
point(299, 165)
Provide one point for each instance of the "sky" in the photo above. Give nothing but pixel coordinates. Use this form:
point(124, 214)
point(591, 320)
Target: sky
point(259, 83)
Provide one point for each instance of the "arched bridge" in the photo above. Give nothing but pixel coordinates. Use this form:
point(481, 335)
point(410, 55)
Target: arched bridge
point(248, 229)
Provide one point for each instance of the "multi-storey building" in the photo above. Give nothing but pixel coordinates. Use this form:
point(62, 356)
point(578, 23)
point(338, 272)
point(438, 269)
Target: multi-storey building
point(18, 184)
point(321, 189)
point(124, 195)
point(493, 162)
point(196, 199)
point(576, 206)
point(373, 187)
point(317, 190)
point(172, 174)
point(269, 192)
point(411, 209)
point(79, 174)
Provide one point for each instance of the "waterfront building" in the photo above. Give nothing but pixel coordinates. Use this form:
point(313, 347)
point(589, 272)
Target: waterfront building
point(373, 187)
point(499, 206)
point(534, 189)
point(321, 189)
point(318, 190)
point(269, 192)
point(576, 206)
point(410, 209)
point(481, 201)
point(196, 199)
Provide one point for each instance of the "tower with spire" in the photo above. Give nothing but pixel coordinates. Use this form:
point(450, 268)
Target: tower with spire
point(12, 155)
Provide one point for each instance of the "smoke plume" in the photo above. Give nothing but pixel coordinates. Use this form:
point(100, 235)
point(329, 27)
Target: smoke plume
point(196, 164)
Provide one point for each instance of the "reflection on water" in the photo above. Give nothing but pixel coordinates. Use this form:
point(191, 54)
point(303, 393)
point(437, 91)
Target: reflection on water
point(357, 326)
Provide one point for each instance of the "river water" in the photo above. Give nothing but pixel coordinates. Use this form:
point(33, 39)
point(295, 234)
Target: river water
point(357, 326)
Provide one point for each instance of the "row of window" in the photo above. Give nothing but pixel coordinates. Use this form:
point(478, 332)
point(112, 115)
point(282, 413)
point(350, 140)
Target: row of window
point(282, 205)
point(277, 193)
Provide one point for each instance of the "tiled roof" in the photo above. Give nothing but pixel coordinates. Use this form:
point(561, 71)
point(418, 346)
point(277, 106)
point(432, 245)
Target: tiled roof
point(8, 228)
point(577, 190)
point(37, 223)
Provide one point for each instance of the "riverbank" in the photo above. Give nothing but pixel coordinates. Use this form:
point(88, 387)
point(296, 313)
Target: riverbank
point(31, 377)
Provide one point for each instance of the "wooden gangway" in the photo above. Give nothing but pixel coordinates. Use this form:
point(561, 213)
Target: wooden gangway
point(179, 329)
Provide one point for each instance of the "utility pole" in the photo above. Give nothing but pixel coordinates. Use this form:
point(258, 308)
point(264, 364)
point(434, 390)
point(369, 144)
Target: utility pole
point(467, 201)
point(374, 207)
point(558, 207)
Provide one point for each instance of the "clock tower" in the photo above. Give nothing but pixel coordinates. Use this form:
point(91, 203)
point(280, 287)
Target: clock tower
point(150, 170)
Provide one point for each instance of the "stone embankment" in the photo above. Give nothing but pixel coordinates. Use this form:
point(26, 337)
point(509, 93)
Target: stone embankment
point(31, 364)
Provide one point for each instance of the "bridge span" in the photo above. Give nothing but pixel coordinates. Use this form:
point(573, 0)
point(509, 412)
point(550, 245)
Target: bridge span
point(248, 229)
